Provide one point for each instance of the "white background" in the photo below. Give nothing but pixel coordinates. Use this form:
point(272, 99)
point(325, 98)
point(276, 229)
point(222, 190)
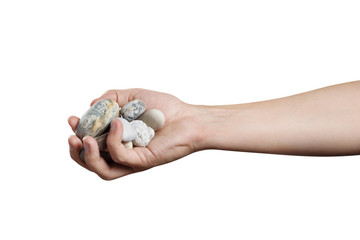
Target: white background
point(56, 56)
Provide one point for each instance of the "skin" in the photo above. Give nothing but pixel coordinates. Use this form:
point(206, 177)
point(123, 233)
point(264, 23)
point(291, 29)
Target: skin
point(323, 122)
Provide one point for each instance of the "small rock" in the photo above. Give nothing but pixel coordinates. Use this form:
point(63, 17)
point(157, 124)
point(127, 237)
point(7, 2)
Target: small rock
point(128, 144)
point(133, 109)
point(154, 118)
point(97, 118)
point(129, 132)
point(144, 133)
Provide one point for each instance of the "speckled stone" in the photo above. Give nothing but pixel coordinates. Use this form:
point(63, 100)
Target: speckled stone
point(144, 133)
point(97, 119)
point(154, 118)
point(129, 132)
point(133, 109)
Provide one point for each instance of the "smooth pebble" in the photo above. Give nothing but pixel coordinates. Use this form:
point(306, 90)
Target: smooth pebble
point(129, 132)
point(97, 118)
point(133, 109)
point(144, 133)
point(128, 144)
point(154, 118)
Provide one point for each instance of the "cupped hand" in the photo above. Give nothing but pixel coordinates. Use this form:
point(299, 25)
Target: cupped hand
point(178, 138)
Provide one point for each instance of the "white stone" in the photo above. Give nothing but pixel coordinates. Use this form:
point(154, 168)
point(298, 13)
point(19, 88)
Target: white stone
point(128, 144)
point(129, 132)
point(154, 118)
point(144, 133)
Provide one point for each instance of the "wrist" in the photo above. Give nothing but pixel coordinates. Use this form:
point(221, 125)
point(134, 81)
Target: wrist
point(213, 126)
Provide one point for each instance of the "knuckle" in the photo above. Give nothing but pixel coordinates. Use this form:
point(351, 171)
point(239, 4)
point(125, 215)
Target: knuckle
point(110, 93)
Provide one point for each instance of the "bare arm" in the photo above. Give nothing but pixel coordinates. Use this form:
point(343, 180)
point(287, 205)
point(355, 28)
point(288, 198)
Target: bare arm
point(320, 122)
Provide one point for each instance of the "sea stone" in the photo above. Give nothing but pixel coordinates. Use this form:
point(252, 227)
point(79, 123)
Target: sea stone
point(97, 118)
point(154, 118)
point(133, 109)
point(144, 133)
point(128, 144)
point(129, 132)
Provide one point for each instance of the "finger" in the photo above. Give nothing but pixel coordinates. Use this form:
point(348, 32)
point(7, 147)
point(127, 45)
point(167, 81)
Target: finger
point(117, 150)
point(73, 122)
point(111, 94)
point(75, 146)
point(120, 96)
point(99, 165)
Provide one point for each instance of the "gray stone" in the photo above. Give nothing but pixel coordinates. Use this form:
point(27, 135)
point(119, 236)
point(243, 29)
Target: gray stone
point(154, 118)
point(133, 109)
point(129, 132)
point(144, 133)
point(97, 118)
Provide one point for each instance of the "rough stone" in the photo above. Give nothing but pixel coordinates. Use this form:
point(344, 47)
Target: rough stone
point(133, 109)
point(97, 118)
point(144, 133)
point(154, 118)
point(129, 132)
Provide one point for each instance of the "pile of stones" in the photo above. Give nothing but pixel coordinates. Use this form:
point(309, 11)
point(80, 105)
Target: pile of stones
point(139, 125)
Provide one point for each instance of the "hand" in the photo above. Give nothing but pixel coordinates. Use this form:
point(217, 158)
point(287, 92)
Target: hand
point(176, 139)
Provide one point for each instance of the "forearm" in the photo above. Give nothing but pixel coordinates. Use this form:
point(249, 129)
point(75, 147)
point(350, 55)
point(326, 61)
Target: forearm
point(320, 122)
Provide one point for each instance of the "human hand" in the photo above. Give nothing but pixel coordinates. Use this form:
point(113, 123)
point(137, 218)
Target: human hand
point(178, 138)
